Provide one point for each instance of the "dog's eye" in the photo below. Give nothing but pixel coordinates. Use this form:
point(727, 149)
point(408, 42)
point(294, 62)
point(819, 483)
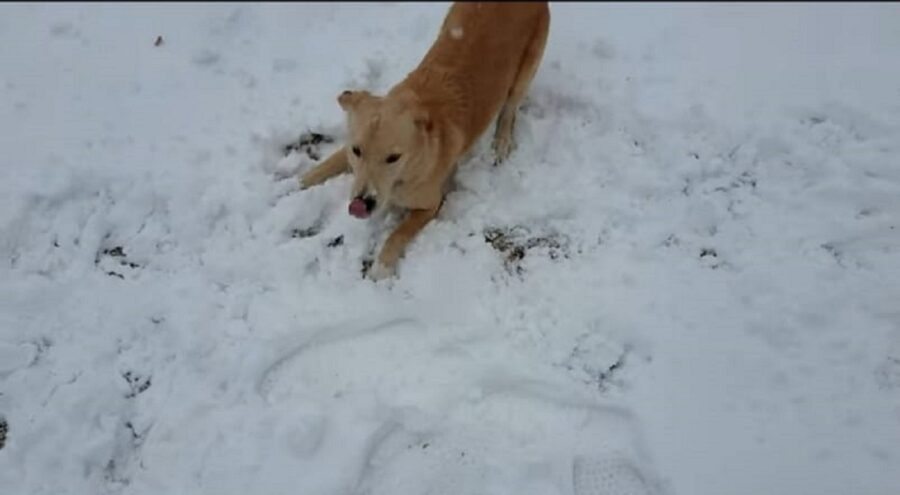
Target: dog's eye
point(356, 151)
point(393, 158)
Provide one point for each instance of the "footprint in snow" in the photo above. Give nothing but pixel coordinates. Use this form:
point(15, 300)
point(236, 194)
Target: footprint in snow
point(608, 476)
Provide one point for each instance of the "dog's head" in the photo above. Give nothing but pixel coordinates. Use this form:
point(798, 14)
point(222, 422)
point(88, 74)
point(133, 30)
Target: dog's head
point(388, 137)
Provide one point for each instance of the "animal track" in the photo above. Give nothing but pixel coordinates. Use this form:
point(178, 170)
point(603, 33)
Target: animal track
point(337, 241)
point(4, 430)
point(708, 252)
point(745, 179)
point(597, 362)
point(516, 242)
point(366, 265)
point(308, 143)
point(311, 231)
point(711, 258)
point(116, 253)
point(137, 383)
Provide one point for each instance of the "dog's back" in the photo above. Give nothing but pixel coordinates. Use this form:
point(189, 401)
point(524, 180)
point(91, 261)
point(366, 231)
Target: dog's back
point(482, 46)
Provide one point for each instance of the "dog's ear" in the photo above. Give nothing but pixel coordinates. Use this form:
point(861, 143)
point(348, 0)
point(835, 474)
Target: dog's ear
point(348, 100)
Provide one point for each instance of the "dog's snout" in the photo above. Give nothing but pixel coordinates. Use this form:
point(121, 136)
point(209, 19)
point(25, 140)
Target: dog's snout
point(369, 202)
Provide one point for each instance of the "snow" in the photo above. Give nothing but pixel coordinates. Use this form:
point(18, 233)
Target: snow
point(683, 281)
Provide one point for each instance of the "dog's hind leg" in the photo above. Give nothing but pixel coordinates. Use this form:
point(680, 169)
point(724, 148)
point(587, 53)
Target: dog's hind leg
point(336, 164)
point(504, 140)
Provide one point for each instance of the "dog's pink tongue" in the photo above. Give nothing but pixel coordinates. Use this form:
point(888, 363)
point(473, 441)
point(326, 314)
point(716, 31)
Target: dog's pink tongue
point(358, 208)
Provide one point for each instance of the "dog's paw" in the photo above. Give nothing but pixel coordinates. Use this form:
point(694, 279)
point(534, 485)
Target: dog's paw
point(503, 146)
point(306, 180)
point(380, 271)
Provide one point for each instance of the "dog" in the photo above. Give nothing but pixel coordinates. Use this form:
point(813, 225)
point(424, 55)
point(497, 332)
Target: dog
point(404, 146)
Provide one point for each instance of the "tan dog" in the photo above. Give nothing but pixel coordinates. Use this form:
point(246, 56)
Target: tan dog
point(404, 146)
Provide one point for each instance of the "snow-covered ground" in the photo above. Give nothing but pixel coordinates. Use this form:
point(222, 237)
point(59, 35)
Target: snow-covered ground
point(685, 281)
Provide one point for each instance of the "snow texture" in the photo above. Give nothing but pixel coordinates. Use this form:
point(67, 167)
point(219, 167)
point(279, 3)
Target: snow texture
point(685, 280)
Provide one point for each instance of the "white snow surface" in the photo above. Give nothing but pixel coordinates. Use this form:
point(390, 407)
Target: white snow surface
point(697, 290)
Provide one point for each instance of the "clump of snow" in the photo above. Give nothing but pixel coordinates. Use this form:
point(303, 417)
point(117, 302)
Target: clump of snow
point(683, 281)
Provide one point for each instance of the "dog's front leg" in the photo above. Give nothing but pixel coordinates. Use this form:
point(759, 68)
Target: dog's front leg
point(335, 164)
point(395, 245)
